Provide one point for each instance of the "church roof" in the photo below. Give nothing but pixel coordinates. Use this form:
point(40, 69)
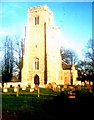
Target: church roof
point(66, 66)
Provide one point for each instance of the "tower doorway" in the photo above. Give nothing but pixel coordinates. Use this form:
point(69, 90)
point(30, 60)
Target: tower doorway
point(36, 79)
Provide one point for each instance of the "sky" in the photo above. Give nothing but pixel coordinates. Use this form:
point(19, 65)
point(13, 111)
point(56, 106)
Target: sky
point(73, 18)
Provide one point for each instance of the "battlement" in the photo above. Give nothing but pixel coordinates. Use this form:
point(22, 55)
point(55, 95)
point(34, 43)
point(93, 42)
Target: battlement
point(39, 8)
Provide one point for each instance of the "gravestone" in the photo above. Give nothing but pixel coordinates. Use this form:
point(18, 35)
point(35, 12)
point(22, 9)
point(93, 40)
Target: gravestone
point(23, 87)
point(15, 89)
point(31, 89)
point(5, 88)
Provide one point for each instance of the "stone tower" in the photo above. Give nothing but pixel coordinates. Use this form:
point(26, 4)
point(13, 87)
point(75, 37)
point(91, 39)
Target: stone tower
point(42, 60)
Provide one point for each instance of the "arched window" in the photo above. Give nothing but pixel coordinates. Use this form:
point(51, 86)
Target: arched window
point(37, 64)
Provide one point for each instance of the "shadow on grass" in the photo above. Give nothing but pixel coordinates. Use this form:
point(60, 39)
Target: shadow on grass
point(61, 107)
point(57, 108)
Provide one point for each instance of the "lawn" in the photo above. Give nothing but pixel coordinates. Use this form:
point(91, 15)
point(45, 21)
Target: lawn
point(26, 106)
point(49, 105)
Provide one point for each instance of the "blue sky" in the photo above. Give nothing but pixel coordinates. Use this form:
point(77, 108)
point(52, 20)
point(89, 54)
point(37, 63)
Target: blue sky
point(73, 18)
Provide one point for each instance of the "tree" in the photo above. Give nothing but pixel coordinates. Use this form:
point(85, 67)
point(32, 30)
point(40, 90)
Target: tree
point(8, 60)
point(89, 55)
point(86, 67)
point(82, 70)
point(69, 56)
point(19, 50)
point(12, 62)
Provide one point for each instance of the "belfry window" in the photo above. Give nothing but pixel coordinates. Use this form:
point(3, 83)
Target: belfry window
point(37, 64)
point(36, 20)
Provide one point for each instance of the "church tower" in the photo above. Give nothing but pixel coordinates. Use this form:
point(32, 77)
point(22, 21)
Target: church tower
point(42, 60)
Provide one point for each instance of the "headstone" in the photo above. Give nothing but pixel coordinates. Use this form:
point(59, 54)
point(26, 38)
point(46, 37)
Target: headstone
point(31, 89)
point(83, 83)
point(58, 88)
point(54, 87)
point(65, 86)
point(62, 89)
point(5, 90)
point(91, 83)
point(24, 87)
point(15, 89)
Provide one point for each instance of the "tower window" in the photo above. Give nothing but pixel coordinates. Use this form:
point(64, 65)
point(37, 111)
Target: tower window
point(37, 64)
point(36, 20)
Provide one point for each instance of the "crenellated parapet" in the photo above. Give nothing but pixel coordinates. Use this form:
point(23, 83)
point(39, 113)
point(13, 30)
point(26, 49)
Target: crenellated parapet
point(39, 8)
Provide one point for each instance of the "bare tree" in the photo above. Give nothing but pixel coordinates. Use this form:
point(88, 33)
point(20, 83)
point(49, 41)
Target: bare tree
point(86, 67)
point(89, 55)
point(19, 50)
point(12, 61)
point(8, 60)
point(69, 56)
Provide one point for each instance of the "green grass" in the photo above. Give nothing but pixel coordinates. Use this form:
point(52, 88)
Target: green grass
point(45, 91)
point(22, 102)
point(26, 104)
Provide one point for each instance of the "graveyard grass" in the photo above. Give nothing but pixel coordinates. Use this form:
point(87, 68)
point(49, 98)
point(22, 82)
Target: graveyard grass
point(26, 105)
point(50, 105)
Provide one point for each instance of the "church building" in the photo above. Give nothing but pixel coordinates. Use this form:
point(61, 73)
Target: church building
point(42, 63)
